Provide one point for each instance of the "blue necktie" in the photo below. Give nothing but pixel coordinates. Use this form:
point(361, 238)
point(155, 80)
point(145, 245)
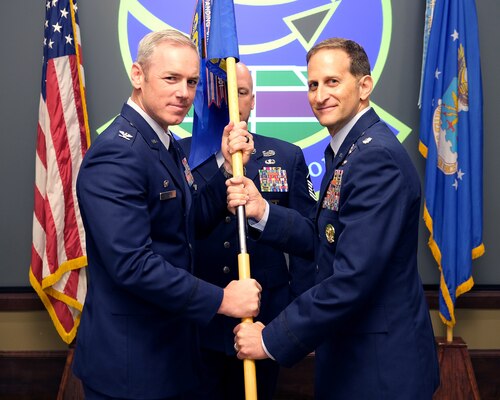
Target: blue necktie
point(329, 156)
point(174, 152)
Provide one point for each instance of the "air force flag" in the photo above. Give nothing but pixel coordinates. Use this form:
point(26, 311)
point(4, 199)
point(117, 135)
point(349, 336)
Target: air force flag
point(451, 139)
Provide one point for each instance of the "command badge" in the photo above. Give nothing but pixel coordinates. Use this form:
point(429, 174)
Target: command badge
point(330, 233)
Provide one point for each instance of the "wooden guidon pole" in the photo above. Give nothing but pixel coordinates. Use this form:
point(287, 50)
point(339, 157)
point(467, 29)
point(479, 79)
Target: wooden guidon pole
point(243, 257)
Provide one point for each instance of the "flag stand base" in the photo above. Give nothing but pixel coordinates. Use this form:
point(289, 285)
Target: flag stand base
point(458, 381)
point(70, 387)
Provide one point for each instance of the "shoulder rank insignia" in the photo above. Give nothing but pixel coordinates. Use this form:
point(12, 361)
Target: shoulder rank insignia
point(332, 197)
point(125, 135)
point(367, 140)
point(273, 179)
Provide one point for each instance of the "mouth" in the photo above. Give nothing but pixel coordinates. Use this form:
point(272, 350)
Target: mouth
point(179, 107)
point(324, 109)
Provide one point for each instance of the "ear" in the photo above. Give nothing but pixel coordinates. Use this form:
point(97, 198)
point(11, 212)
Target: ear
point(136, 75)
point(253, 101)
point(365, 87)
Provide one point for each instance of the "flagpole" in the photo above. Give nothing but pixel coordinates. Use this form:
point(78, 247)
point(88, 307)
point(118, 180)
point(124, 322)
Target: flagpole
point(243, 257)
point(76, 40)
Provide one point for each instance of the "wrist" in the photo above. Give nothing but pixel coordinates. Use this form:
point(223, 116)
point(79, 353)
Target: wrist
point(227, 171)
point(227, 174)
point(263, 208)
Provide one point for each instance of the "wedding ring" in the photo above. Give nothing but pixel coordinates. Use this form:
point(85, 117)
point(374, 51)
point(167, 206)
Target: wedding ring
point(236, 347)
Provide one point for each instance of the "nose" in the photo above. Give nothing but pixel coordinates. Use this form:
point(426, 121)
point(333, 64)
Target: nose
point(182, 90)
point(319, 94)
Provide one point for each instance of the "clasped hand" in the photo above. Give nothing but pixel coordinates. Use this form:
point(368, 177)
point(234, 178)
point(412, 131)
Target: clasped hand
point(248, 341)
point(236, 138)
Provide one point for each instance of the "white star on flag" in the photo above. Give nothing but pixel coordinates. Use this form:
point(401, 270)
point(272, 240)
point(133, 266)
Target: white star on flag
point(57, 27)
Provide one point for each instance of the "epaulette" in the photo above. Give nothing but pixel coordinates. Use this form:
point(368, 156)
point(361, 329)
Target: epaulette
point(126, 135)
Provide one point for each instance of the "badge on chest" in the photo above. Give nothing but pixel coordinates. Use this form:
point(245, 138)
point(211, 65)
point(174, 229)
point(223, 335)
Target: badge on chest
point(332, 197)
point(187, 172)
point(273, 179)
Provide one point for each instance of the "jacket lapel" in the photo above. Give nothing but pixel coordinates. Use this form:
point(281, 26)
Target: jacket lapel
point(365, 122)
point(155, 144)
point(252, 166)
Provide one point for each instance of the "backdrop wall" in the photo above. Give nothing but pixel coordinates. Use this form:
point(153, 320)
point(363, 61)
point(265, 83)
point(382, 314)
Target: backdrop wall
point(108, 87)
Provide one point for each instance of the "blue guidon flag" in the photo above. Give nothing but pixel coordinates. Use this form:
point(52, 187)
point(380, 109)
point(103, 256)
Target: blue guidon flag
point(451, 139)
point(214, 32)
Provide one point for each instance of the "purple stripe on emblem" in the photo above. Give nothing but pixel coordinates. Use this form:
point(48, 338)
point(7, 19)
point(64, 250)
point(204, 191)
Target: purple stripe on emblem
point(282, 104)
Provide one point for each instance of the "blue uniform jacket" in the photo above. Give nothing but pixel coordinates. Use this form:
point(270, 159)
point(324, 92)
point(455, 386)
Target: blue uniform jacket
point(138, 333)
point(216, 257)
point(367, 317)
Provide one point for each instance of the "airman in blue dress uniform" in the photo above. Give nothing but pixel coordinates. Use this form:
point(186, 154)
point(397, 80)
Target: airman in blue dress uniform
point(138, 336)
point(366, 318)
point(279, 170)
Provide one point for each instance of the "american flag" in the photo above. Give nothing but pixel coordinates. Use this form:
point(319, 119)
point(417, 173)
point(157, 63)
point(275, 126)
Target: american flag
point(58, 255)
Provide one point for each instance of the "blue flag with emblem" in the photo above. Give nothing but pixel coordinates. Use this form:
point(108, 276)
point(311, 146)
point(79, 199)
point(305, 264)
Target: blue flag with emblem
point(451, 139)
point(214, 32)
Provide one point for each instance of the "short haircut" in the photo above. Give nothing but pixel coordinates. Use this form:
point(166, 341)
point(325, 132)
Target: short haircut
point(148, 44)
point(360, 65)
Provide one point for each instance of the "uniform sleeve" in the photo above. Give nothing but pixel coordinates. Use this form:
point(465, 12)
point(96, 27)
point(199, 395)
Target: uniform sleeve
point(373, 215)
point(112, 191)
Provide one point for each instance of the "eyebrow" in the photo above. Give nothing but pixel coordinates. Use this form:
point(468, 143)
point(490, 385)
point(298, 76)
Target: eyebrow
point(177, 74)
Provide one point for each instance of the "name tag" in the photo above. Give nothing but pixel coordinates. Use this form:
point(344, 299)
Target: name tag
point(170, 194)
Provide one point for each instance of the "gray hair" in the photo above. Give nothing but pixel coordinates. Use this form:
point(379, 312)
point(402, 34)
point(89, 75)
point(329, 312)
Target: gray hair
point(150, 42)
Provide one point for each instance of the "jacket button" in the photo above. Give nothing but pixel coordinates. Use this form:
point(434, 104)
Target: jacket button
point(226, 269)
point(228, 219)
point(227, 245)
point(317, 268)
